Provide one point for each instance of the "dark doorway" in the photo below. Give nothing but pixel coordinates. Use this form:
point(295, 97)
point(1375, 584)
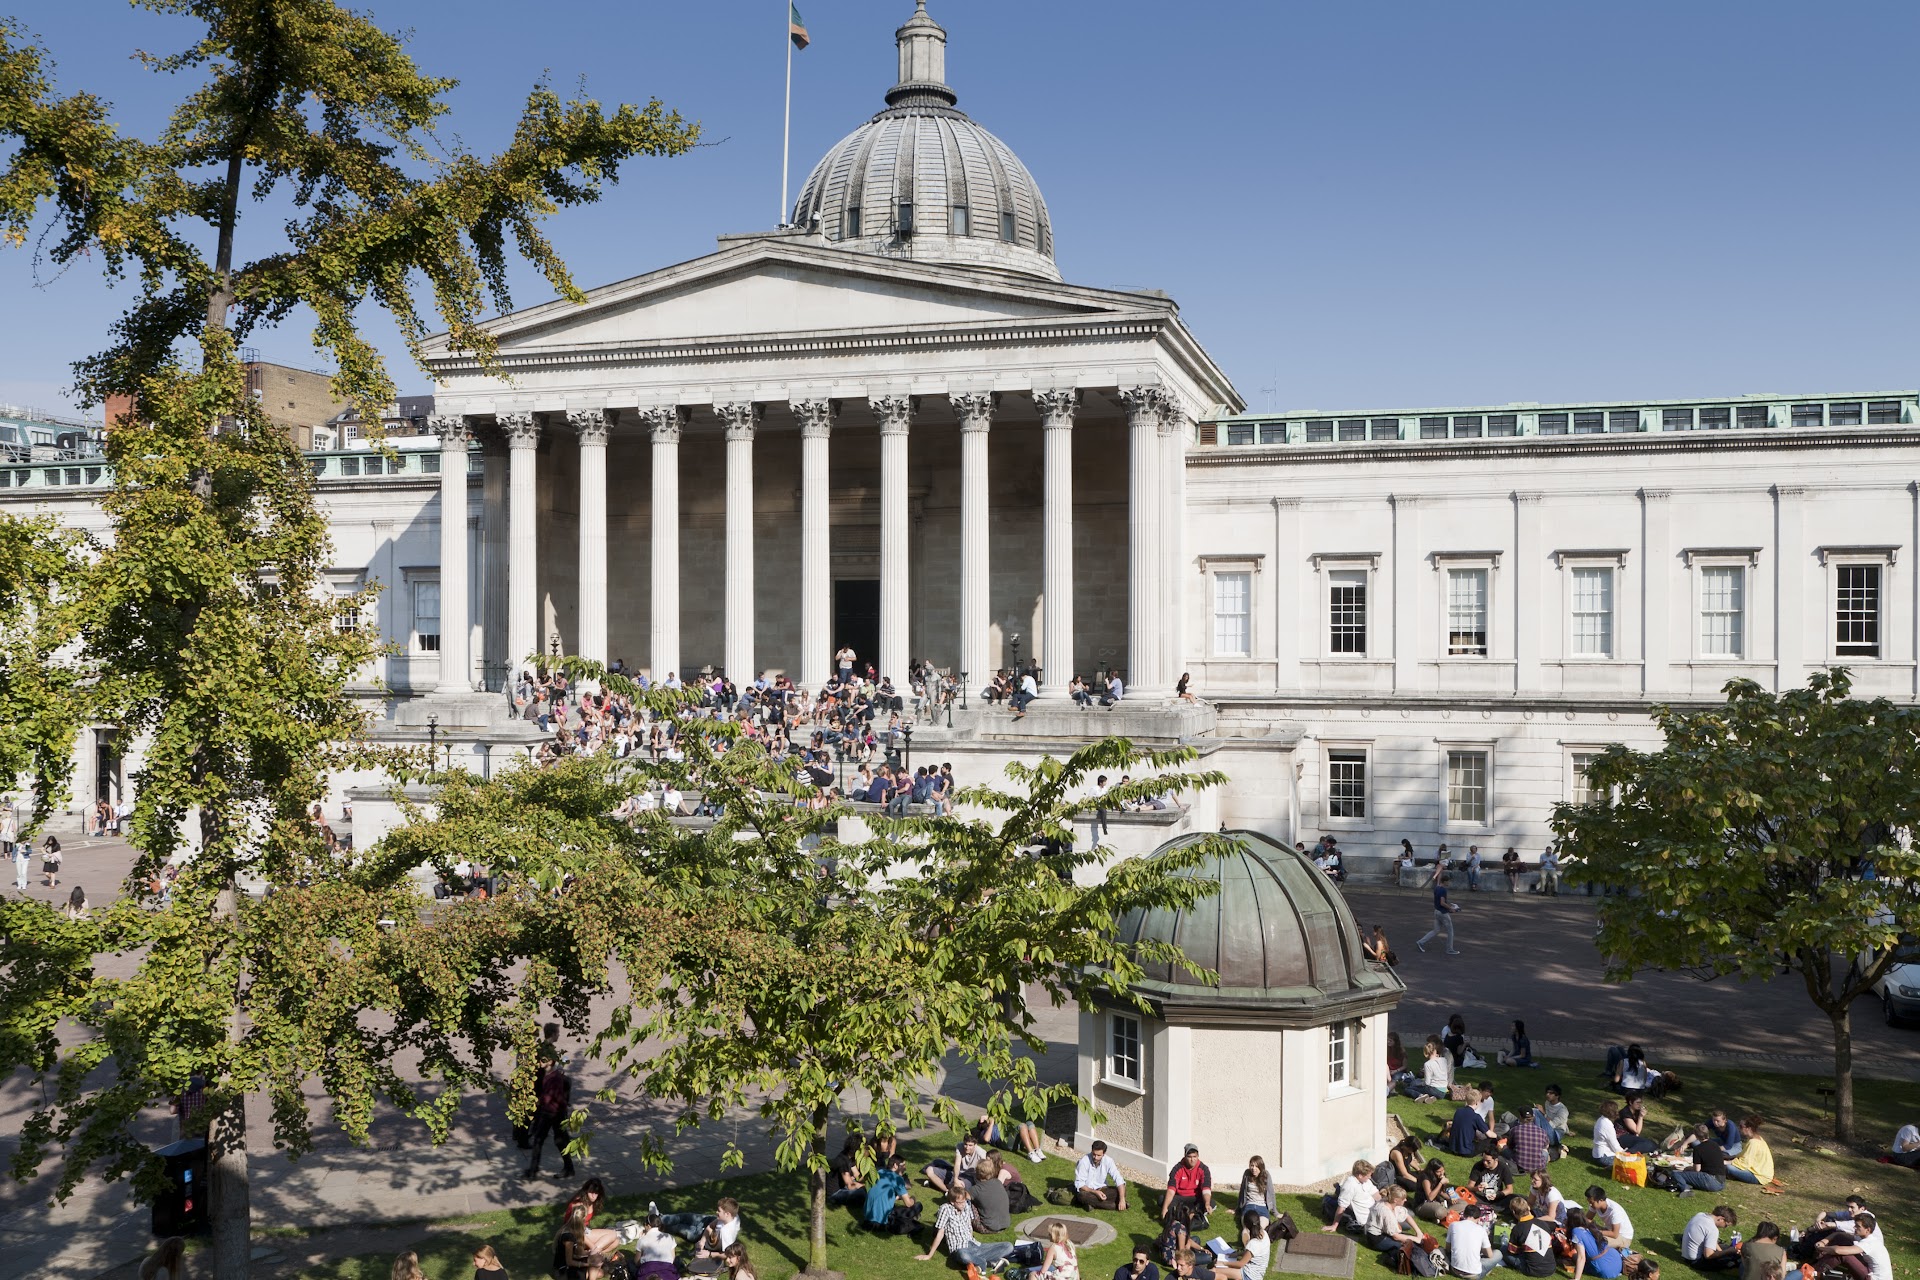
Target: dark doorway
point(106, 765)
point(856, 619)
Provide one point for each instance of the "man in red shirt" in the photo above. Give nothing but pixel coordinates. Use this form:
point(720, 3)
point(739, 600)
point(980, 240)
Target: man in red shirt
point(1189, 1188)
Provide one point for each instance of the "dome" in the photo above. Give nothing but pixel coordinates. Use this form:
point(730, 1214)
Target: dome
point(921, 180)
point(1277, 931)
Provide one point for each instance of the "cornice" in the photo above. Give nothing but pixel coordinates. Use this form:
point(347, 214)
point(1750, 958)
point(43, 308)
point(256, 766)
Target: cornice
point(1554, 446)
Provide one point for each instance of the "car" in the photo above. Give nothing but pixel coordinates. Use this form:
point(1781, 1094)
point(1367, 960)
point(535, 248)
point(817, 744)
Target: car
point(1899, 987)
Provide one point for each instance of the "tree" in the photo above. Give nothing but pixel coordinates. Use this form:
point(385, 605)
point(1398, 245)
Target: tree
point(1768, 836)
point(205, 627)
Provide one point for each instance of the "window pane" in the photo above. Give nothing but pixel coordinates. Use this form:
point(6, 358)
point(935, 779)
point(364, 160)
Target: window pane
point(1883, 413)
point(1433, 428)
point(1593, 613)
point(1623, 420)
point(1503, 424)
point(1467, 612)
point(1589, 424)
point(1553, 424)
point(1583, 792)
point(1273, 433)
point(1347, 611)
point(1468, 428)
point(1467, 786)
point(1716, 419)
point(1676, 419)
point(1856, 613)
point(1319, 432)
point(1353, 428)
point(1809, 415)
point(1843, 415)
point(1239, 433)
point(1753, 415)
point(1124, 1050)
point(1232, 614)
point(1722, 612)
point(960, 220)
point(1337, 1054)
point(851, 231)
point(1006, 227)
point(1384, 429)
point(1346, 784)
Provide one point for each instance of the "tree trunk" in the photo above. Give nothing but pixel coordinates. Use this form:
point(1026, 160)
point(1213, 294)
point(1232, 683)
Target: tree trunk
point(229, 1206)
point(817, 1196)
point(1842, 1073)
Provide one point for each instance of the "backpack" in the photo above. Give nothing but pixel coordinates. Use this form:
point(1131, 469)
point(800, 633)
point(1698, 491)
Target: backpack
point(1282, 1227)
point(1019, 1199)
point(903, 1219)
point(1420, 1261)
point(1383, 1175)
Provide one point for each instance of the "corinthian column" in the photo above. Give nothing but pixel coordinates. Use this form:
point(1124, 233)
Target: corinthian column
point(1145, 664)
point(976, 417)
point(894, 413)
point(816, 587)
point(456, 659)
point(1056, 432)
point(523, 443)
point(740, 420)
point(1173, 540)
point(665, 423)
point(591, 427)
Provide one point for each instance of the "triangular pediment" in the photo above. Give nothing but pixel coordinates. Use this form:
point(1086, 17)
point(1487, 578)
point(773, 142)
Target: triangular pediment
point(776, 287)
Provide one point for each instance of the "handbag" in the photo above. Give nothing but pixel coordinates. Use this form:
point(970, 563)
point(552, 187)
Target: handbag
point(1630, 1170)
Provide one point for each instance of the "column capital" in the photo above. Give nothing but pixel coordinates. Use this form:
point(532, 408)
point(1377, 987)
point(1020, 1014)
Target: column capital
point(665, 422)
point(522, 430)
point(894, 412)
point(741, 420)
point(816, 417)
point(451, 428)
point(1173, 414)
point(1146, 405)
point(1057, 407)
point(590, 425)
point(975, 409)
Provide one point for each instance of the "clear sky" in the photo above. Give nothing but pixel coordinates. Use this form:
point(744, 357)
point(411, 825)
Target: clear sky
point(1356, 204)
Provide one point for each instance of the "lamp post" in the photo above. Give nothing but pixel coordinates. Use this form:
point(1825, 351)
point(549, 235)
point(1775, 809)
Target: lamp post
point(486, 762)
point(433, 738)
point(963, 697)
point(906, 740)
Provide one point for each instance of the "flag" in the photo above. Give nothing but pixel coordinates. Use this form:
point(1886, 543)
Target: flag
point(796, 29)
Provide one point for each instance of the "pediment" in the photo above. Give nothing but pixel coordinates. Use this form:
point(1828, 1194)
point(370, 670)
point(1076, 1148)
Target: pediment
point(794, 289)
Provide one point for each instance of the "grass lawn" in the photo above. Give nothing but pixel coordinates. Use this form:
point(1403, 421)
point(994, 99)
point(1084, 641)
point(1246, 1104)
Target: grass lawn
point(774, 1205)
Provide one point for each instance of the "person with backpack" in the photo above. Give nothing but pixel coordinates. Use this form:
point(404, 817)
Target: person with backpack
point(889, 1204)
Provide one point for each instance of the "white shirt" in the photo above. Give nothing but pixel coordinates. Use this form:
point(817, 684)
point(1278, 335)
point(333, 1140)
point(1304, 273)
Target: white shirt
point(655, 1245)
point(1606, 1143)
point(1087, 1173)
point(1358, 1194)
point(1622, 1224)
point(1467, 1246)
point(728, 1231)
point(1438, 1072)
point(1028, 687)
point(1907, 1139)
point(1260, 1252)
point(1874, 1249)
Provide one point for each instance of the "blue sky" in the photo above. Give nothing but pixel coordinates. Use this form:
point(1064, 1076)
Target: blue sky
point(1355, 204)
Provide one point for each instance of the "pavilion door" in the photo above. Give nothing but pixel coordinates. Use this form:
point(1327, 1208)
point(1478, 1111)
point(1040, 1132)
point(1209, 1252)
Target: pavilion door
point(856, 619)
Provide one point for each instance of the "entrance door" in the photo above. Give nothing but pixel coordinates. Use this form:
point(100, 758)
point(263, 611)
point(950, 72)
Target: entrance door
point(856, 619)
point(106, 765)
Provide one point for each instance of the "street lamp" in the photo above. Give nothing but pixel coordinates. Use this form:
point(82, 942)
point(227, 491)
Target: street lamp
point(963, 698)
point(433, 737)
point(906, 740)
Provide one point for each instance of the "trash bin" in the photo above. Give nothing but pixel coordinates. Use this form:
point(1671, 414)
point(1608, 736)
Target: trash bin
point(181, 1207)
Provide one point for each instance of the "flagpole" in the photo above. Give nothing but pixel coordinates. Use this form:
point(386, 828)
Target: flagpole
point(786, 131)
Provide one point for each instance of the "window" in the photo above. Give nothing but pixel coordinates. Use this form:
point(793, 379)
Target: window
point(852, 229)
point(1553, 424)
point(1809, 415)
point(1347, 612)
point(430, 461)
point(1467, 613)
point(350, 466)
point(1753, 415)
point(1843, 415)
point(1716, 419)
point(1320, 433)
point(1856, 611)
point(1006, 227)
point(347, 620)
point(1239, 433)
point(1353, 428)
point(1232, 614)
point(1433, 428)
point(1469, 428)
point(1580, 790)
point(1343, 1055)
point(1676, 419)
point(426, 615)
point(1347, 783)
point(1273, 433)
point(1592, 423)
point(1623, 420)
point(904, 226)
point(1123, 1048)
point(1467, 787)
point(1883, 413)
point(1723, 589)
point(1503, 424)
point(959, 224)
point(1592, 613)
point(1384, 429)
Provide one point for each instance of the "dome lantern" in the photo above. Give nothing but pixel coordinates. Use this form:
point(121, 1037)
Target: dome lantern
point(921, 180)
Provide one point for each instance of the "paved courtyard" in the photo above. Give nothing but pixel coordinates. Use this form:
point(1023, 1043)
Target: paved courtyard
point(1523, 957)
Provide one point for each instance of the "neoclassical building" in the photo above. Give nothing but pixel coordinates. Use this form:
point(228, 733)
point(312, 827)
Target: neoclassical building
point(891, 425)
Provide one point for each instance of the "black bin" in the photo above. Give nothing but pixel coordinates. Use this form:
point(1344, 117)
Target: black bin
point(181, 1207)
